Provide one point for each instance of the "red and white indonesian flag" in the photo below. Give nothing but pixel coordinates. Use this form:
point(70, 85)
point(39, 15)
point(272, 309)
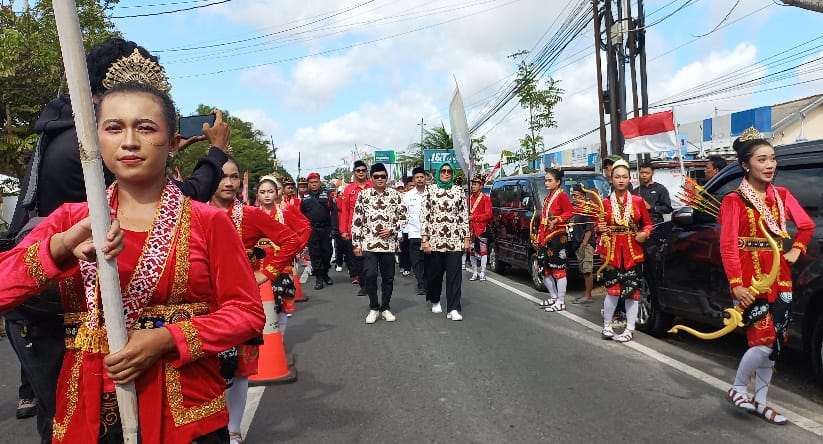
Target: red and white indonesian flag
point(652, 133)
point(494, 170)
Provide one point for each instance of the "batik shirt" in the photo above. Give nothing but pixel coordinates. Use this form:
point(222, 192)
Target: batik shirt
point(373, 212)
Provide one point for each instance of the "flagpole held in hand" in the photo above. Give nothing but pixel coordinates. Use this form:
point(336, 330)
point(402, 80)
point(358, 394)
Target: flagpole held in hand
point(74, 59)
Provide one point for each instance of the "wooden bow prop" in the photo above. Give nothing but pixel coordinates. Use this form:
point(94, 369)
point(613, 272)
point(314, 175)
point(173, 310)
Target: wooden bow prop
point(605, 240)
point(733, 317)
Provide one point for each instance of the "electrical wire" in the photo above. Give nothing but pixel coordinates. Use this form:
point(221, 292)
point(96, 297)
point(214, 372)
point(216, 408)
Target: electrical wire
point(169, 12)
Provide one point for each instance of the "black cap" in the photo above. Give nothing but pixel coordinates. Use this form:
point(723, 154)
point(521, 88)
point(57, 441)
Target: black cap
point(359, 163)
point(376, 168)
point(418, 170)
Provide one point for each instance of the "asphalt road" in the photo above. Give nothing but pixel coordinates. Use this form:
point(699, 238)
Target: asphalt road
point(507, 373)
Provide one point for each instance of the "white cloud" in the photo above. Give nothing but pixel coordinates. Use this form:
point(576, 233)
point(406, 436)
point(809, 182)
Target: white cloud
point(259, 118)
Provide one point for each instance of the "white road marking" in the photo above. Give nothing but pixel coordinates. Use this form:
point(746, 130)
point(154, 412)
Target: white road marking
point(795, 418)
point(255, 393)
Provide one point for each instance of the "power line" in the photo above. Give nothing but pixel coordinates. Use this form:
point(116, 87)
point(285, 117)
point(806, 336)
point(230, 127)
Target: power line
point(169, 12)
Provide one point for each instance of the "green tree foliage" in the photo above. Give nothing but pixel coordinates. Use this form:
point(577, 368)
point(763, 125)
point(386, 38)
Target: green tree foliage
point(540, 100)
point(250, 147)
point(339, 173)
point(31, 69)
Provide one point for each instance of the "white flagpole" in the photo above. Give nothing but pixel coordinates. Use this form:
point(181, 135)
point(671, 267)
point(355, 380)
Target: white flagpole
point(679, 154)
point(74, 59)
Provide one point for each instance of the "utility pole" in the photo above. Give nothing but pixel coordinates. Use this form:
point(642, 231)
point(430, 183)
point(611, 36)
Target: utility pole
point(604, 148)
point(421, 132)
point(613, 83)
point(640, 38)
point(632, 55)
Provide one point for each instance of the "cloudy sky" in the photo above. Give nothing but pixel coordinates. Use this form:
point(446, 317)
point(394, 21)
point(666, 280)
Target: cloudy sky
point(323, 76)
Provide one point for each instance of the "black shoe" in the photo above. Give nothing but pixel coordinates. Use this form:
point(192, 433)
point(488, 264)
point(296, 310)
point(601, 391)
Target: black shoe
point(421, 291)
point(26, 408)
point(318, 285)
point(327, 280)
point(362, 292)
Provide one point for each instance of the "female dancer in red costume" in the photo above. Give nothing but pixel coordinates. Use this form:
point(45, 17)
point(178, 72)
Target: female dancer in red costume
point(184, 296)
point(271, 200)
point(253, 225)
point(746, 255)
point(627, 226)
point(552, 238)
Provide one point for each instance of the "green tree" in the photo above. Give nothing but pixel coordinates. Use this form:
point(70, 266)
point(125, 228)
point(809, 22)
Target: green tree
point(440, 139)
point(31, 69)
point(339, 173)
point(250, 147)
point(540, 100)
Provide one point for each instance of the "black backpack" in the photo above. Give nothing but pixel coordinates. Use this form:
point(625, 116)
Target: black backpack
point(26, 216)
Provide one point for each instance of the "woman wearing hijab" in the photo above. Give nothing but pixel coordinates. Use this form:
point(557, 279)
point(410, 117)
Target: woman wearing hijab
point(445, 236)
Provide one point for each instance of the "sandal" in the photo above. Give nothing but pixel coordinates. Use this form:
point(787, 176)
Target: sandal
point(548, 302)
point(235, 438)
point(556, 307)
point(769, 414)
point(608, 332)
point(740, 401)
point(626, 336)
point(405, 273)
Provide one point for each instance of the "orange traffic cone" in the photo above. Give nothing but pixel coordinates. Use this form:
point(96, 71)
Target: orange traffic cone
point(298, 288)
point(273, 366)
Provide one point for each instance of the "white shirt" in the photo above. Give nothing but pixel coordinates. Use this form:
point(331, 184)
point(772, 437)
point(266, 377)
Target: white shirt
point(413, 200)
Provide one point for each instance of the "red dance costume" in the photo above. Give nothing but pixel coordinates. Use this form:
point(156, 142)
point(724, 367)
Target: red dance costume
point(254, 226)
point(480, 214)
point(746, 253)
point(292, 217)
point(557, 207)
point(182, 276)
point(625, 221)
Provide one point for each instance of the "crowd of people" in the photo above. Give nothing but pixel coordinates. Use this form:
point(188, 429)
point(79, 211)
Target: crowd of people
point(191, 287)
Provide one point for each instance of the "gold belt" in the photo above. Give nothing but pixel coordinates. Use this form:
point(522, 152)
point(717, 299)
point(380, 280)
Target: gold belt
point(620, 229)
point(264, 242)
point(754, 244)
point(79, 336)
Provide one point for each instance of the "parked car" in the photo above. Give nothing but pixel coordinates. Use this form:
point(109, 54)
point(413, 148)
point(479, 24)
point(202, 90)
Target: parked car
point(685, 273)
point(515, 199)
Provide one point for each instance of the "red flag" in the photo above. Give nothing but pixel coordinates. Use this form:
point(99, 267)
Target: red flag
point(246, 187)
point(494, 170)
point(649, 134)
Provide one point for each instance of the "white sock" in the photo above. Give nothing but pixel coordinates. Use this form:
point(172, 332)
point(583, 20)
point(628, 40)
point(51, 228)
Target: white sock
point(282, 320)
point(754, 358)
point(549, 282)
point(483, 260)
point(762, 379)
point(631, 313)
point(473, 260)
point(236, 400)
point(609, 305)
point(561, 290)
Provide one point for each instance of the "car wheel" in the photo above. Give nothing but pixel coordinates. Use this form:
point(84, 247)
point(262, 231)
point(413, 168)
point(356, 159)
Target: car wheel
point(817, 350)
point(494, 263)
point(535, 270)
point(650, 318)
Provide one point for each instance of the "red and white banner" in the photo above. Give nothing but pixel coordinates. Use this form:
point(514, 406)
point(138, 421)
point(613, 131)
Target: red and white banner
point(652, 133)
point(493, 171)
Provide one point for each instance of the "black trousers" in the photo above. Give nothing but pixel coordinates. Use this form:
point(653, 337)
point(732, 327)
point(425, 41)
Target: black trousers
point(40, 347)
point(338, 250)
point(404, 259)
point(436, 264)
point(354, 263)
point(416, 259)
point(320, 250)
point(384, 264)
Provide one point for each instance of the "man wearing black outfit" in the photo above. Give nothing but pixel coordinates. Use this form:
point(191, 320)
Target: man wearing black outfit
point(656, 195)
point(54, 177)
point(321, 210)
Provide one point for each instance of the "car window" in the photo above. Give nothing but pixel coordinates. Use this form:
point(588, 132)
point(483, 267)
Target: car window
point(507, 195)
point(598, 183)
point(804, 183)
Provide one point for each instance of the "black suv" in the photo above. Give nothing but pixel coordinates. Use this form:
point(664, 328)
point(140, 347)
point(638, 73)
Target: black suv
point(515, 199)
point(685, 273)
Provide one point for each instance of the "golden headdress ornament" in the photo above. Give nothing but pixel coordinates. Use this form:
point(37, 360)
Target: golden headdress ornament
point(622, 163)
point(138, 69)
point(751, 133)
point(270, 177)
point(479, 178)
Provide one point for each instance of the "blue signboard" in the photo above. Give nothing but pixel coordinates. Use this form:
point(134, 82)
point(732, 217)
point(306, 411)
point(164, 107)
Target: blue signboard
point(760, 118)
point(432, 158)
point(707, 130)
point(593, 159)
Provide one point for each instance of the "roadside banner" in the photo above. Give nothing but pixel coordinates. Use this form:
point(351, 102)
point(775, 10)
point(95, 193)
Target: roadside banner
point(651, 133)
